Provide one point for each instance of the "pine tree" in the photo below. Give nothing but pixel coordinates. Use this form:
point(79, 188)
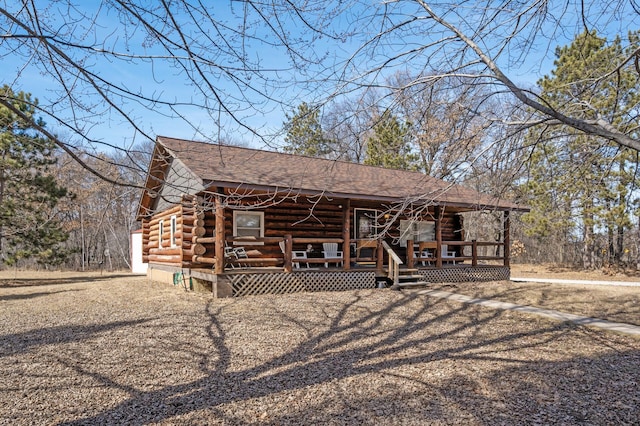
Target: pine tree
point(304, 133)
point(579, 183)
point(28, 191)
point(389, 146)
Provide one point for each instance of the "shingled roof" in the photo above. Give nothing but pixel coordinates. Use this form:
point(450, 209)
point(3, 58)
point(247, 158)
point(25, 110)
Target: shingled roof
point(237, 167)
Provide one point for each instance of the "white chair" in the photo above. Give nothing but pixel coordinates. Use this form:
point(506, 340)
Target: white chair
point(331, 253)
point(447, 254)
point(233, 254)
point(296, 256)
point(240, 253)
point(425, 257)
point(299, 255)
point(230, 257)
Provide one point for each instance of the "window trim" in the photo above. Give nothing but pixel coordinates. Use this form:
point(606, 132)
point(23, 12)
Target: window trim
point(235, 226)
point(160, 232)
point(372, 215)
point(173, 227)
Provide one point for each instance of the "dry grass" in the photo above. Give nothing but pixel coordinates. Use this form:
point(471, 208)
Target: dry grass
point(569, 273)
point(122, 350)
point(618, 304)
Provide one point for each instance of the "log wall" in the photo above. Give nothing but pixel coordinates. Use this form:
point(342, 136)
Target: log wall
point(145, 240)
point(195, 229)
point(189, 224)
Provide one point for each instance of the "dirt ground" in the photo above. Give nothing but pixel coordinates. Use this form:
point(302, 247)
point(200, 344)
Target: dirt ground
point(568, 273)
point(613, 303)
point(118, 349)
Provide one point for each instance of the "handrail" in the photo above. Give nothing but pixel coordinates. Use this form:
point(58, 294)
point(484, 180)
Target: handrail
point(394, 264)
point(392, 253)
point(305, 240)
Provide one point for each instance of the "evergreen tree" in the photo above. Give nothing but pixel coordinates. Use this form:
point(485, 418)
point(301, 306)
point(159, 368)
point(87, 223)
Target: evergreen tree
point(581, 184)
point(389, 145)
point(304, 133)
point(28, 191)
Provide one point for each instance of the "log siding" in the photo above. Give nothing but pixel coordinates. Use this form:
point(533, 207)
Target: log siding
point(195, 232)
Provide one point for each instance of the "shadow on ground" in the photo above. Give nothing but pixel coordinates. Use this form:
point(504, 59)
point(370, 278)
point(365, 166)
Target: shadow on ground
point(35, 282)
point(362, 357)
point(32, 295)
point(617, 304)
point(369, 357)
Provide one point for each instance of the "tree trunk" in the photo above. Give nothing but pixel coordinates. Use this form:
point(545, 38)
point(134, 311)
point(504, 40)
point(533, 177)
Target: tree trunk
point(620, 244)
point(2, 201)
point(588, 246)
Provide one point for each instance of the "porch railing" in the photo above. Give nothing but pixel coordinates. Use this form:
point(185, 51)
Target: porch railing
point(466, 251)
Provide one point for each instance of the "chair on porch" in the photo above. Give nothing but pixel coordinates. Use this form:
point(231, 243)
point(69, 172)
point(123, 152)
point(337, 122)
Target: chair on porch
point(366, 251)
point(296, 256)
point(446, 254)
point(331, 254)
point(425, 257)
point(233, 254)
point(426, 253)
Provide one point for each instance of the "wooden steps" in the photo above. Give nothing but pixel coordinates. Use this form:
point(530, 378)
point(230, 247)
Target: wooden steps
point(409, 278)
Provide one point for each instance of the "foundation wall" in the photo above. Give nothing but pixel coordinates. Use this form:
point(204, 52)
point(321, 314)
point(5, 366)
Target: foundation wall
point(248, 283)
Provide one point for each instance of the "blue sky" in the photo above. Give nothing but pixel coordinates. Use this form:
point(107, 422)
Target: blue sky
point(264, 113)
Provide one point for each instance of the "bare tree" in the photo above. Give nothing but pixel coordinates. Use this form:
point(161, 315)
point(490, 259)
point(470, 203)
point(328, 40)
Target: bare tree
point(483, 41)
point(219, 70)
point(348, 123)
point(208, 68)
point(216, 70)
point(446, 123)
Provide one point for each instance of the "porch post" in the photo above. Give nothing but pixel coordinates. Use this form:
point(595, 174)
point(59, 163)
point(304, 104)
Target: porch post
point(438, 236)
point(410, 254)
point(507, 239)
point(346, 234)
point(379, 256)
point(288, 247)
point(474, 253)
point(220, 235)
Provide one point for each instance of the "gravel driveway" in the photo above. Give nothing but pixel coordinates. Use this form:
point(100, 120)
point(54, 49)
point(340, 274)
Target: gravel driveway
point(122, 350)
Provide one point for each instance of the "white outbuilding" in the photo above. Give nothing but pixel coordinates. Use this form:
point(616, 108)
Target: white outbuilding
point(137, 265)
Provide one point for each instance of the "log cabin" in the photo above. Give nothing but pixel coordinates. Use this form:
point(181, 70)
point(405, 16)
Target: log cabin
point(239, 221)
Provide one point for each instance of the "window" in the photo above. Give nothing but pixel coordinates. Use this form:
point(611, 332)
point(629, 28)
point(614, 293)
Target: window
point(160, 232)
point(366, 223)
point(418, 231)
point(174, 224)
point(248, 224)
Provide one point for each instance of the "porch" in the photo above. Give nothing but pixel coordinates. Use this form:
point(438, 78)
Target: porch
point(380, 265)
point(290, 254)
point(257, 281)
point(344, 233)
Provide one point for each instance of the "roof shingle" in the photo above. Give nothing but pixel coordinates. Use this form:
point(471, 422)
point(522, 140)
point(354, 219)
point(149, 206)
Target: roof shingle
point(230, 166)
